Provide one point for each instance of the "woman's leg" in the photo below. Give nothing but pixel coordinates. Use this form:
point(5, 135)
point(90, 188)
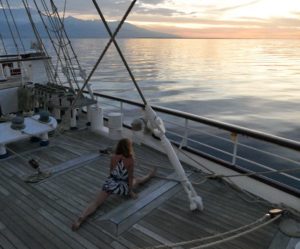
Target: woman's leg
point(141, 180)
point(92, 207)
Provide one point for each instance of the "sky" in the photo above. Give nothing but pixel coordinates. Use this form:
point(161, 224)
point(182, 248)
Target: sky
point(199, 18)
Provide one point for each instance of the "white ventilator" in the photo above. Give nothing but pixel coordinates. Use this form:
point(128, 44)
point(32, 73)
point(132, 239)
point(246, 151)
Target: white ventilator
point(159, 130)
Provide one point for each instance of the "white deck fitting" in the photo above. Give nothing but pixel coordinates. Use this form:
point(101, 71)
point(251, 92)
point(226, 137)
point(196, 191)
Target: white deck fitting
point(33, 127)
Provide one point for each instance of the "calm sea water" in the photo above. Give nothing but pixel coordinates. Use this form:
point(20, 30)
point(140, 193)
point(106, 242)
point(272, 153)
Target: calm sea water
point(252, 83)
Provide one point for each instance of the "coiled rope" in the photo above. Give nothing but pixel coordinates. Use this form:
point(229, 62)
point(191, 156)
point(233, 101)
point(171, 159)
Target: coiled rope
point(240, 233)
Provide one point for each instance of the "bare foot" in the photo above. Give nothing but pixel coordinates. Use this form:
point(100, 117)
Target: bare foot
point(76, 224)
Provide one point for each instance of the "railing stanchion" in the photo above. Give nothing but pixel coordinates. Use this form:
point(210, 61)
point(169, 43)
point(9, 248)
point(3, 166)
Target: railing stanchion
point(121, 107)
point(186, 133)
point(234, 138)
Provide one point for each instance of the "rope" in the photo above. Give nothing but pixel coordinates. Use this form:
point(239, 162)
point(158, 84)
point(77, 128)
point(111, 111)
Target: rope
point(200, 164)
point(9, 26)
point(65, 33)
point(105, 49)
point(173, 178)
point(3, 45)
point(17, 154)
point(23, 157)
point(211, 237)
point(16, 27)
point(239, 191)
point(118, 48)
point(212, 176)
point(51, 40)
point(238, 235)
point(47, 64)
point(184, 243)
point(61, 35)
point(178, 180)
point(58, 33)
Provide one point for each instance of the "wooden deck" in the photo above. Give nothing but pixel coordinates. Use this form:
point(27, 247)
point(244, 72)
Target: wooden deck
point(40, 215)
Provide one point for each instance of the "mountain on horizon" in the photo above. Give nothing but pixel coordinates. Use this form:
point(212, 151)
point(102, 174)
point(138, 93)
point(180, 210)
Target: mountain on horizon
point(76, 28)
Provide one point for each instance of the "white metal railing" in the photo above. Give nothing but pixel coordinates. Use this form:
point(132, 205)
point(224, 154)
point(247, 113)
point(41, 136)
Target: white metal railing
point(187, 136)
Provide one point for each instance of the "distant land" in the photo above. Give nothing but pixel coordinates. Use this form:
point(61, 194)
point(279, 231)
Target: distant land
point(76, 28)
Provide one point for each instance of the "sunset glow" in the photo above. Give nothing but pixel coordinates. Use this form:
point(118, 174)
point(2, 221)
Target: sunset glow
point(199, 18)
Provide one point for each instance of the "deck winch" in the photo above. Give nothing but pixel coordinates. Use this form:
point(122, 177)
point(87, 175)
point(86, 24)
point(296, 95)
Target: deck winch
point(17, 123)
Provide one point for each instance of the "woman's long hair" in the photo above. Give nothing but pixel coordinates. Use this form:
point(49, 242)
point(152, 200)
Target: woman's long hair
point(124, 147)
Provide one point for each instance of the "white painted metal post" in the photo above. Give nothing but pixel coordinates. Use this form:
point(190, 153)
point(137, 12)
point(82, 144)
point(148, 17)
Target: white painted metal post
point(3, 152)
point(234, 138)
point(96, 118)
point(159, 130)
point(186, 133)
point(44, 139)
point(2, 75)
point(57, 114)
point(73, 121)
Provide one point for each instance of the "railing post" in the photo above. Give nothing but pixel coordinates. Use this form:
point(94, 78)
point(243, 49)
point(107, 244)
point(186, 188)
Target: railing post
point(234, 138)
point(121, 107)
point(186, 133)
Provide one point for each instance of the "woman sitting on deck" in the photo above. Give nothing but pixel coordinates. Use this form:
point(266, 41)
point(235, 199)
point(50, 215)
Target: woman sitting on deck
point(121, 180)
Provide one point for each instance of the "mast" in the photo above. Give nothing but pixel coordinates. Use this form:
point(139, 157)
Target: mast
point(156, 122)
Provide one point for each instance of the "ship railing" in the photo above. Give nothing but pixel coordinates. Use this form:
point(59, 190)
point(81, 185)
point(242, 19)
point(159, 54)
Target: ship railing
point(271, 159)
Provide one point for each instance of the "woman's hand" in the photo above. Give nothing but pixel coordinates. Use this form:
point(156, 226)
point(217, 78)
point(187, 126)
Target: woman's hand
point(133, 195)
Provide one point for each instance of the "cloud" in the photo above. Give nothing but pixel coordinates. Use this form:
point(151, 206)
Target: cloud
point(236, 6)
point(152, 2)
point(195, 17)
point(158, 11)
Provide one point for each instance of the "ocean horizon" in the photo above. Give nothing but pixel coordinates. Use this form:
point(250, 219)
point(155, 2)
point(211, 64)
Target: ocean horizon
point(254, 83)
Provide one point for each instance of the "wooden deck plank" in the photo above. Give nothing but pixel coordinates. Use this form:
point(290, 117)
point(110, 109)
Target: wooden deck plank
point(25, 240)
point(152, 237)
point(31, 231)
point(5, 243)
point(62, 216)
point(33, 219)
point(13, 238)
point(51, 206)
point(66, 229)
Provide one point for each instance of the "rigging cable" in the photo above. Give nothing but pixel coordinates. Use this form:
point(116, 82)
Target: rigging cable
point(9, 27)
point(52, 42)
point(57, 29)
point(119, 51)
point(213, 176)
point(105, 49)
point(67, 37)
point(3, 45)
point(61, 44)
point(59, 49)
point(48, 63)
point(16, 27)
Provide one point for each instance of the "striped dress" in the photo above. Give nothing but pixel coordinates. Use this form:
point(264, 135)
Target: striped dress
point(117, 182)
